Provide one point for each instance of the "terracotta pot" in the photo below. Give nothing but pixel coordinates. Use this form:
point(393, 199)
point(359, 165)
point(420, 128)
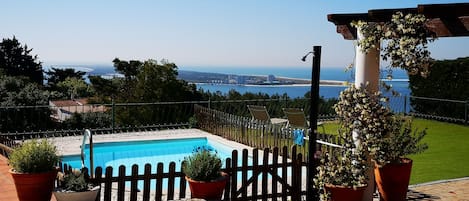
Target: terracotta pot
point(393, 180)
point(34, 187)
point(211, 190)
point(341, 193)
point(77, 196)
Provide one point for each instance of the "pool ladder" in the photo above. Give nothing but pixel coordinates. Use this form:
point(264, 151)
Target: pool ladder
point(88, 134)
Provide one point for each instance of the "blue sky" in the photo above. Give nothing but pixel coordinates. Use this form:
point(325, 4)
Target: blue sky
point(242, 33)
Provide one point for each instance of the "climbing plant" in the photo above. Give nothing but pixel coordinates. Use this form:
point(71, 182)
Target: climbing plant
point(405, 41)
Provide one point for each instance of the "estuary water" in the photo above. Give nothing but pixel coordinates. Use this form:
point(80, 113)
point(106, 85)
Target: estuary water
point(399, 82)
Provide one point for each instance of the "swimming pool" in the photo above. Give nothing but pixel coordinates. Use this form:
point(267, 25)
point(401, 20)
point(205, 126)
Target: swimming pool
point(128, 153)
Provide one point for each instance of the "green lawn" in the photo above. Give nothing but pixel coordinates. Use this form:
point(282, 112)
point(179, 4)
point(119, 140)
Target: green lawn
point(447, 156)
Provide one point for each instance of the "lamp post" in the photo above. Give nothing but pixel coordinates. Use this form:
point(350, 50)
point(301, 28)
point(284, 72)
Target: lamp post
point(311, 192)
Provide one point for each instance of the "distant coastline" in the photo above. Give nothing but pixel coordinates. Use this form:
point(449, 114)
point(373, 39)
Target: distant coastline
point(250, 80)
point(330, 83)
point(190, 76)
point(333, 80)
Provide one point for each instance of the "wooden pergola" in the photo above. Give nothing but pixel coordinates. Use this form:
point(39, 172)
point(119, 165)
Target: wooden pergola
point(445, 20)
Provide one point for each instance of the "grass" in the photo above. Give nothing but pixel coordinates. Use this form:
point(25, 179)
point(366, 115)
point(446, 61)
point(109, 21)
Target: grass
point(446, 157)
point(447, 153)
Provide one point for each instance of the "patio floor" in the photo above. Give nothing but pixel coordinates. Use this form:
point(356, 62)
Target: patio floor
point(7, 187)
point(457, 190)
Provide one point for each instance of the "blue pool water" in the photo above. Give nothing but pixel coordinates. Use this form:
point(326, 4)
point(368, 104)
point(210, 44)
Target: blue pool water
point(152, 152)
point(142, 152)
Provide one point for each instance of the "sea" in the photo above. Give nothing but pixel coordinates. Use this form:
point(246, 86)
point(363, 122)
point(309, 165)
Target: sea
point(399, 82)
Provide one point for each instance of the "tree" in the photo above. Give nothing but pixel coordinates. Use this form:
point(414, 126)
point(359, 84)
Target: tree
point(130, 71)
point(16, 92)
point(88, 120)
point(448, 79)
point(147, 81)
point(16, 60)
point(158, 82)
point(104, 89)
point(74, 87)
point(57, 75)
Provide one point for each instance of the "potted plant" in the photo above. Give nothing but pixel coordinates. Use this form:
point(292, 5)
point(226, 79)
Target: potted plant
point(362, 115)
point(33, 168)
point(74, 186)
point(342, 173)
point(203, 172)
point(392, 170)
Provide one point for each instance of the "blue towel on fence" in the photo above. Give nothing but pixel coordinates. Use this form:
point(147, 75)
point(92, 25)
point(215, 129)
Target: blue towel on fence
point(298, 136)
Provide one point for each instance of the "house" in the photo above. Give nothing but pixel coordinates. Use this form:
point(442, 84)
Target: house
point(64, 109)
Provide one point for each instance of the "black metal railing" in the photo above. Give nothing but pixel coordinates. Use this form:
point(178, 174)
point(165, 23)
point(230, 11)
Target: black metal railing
point(47, 120)
point(456, 111)
point(23, 122)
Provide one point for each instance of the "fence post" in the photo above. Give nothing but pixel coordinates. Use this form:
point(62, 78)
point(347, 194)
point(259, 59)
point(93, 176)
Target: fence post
point(405, 105)
point(286, 101)
point(465, 112)
point(209, 103)
point(113, 114)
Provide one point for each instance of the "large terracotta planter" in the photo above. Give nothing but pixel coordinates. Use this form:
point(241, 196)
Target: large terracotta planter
point(340, 193)
point(393, 180)
point(212, 190)
point(77, 196)
point(34, 187)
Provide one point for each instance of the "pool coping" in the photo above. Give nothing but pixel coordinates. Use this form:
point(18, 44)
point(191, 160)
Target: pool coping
point(70, 146)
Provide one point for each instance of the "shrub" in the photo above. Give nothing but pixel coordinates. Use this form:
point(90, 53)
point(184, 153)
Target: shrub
point(193, 122)
point(399, 142)
point(202, 165)
point(34, 157)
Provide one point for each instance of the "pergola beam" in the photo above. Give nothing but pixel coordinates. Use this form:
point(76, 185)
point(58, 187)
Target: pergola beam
point(444, 10)
point(445, 20)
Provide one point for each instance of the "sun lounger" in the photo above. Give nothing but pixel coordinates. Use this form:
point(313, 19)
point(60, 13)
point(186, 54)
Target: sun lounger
point(297, 119)
point(259, 112)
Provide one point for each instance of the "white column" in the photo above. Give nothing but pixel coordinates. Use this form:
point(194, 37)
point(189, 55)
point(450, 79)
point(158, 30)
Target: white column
point(367, 66)
point(367, 71)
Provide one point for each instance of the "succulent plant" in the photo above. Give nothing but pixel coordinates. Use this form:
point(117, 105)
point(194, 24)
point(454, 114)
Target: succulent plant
point(75, 181)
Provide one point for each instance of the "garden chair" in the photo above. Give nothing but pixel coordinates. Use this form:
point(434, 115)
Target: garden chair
point(259, 112)
point(297, 119)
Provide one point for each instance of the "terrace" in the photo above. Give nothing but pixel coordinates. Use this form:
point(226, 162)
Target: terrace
point(218, 123)
point(232, 123)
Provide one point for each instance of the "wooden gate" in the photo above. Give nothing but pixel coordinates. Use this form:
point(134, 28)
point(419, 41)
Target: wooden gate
point(261, 175)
